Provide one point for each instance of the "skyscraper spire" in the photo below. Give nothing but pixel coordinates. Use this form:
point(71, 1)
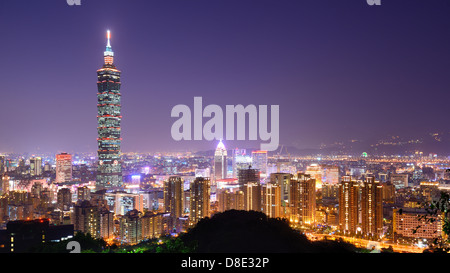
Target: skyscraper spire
point(108, 35)
point(108, 54)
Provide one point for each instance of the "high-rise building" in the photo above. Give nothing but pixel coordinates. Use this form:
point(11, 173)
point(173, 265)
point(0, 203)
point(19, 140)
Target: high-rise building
point(248, 176)
point(303, 199)
point(122, 202)
point(63, 168)
point(259, 161)
point(371, 208)
point(283, 180)
point(240, 160)
point(109, 170)
point(173, 196)
point(86, 218)
point(130, 230)
point(230, 200)
point(220, 162)
point(316, 172)
point(252, 196)
point(199, 199)
point(35, 166)
point(409, 223)
point(330, 174)
point(2, 164)
point(83, 193)
point(106, 222)
point(151, 225)
point(348, 205)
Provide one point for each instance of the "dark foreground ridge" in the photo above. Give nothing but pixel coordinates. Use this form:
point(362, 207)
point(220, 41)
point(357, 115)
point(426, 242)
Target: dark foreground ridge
point(238, 231)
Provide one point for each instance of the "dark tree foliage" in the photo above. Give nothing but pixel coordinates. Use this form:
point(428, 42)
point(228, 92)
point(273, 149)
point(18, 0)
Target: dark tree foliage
point(237, 231)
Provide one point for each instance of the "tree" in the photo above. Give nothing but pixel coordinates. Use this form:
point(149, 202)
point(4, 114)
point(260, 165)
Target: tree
point(237, 231)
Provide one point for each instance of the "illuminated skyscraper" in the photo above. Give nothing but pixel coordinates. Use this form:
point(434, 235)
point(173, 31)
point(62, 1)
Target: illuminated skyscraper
point(35, 166)
point(63, 168)
point(348, 205)
point(173, 196)
point(220, 162)
point(271, 200)
point(303, 199)
point(259, 161)
point(109, 170)
point(372, 208)
point(199, 200)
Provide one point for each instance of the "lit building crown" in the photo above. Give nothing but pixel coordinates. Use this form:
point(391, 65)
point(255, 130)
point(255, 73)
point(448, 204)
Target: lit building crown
point(221, 150)
point(108, 54)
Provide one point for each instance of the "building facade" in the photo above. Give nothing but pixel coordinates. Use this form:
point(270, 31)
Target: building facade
point(109, 170)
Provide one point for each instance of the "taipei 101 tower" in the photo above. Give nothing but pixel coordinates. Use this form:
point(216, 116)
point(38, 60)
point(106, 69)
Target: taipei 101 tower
point(109, 170)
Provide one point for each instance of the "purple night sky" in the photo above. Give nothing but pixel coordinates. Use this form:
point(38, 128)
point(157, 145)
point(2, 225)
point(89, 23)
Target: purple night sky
point(339, 69)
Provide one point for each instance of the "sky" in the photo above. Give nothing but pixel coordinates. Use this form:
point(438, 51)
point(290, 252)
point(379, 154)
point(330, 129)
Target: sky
point(338, 70)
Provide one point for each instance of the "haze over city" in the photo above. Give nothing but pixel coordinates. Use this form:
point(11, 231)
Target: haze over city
point(339, 70)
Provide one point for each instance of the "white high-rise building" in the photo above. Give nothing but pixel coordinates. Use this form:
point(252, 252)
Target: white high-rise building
point(220, 162)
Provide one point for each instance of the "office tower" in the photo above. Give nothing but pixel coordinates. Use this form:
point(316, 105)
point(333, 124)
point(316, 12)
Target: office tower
point(109, 170)
point(35, 166)
point(199, 199)
point(371, 208)
point(83, 193)
point(240, 160)
point(131, 227)
point(173, 196)
point(64, 199)
point(303, 199)
point(63, 168)
point(248, 176)
point(220, 162)
point(271, 200)
point(259, 161)
point(399, 180)
point(283, 180)
point(86, 218)
point(348, 205)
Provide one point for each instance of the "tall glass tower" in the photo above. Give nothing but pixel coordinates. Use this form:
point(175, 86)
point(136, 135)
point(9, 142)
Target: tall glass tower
point(109, 170)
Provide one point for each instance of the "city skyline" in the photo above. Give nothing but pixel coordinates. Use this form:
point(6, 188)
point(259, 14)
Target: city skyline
point(322, 62)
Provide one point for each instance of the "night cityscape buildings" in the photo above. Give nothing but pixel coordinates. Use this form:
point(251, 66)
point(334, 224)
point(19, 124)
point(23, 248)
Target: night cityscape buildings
point(109, 171)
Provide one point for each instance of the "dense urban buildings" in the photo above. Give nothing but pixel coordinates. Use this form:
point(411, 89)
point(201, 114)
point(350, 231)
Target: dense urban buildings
point(170, 193)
